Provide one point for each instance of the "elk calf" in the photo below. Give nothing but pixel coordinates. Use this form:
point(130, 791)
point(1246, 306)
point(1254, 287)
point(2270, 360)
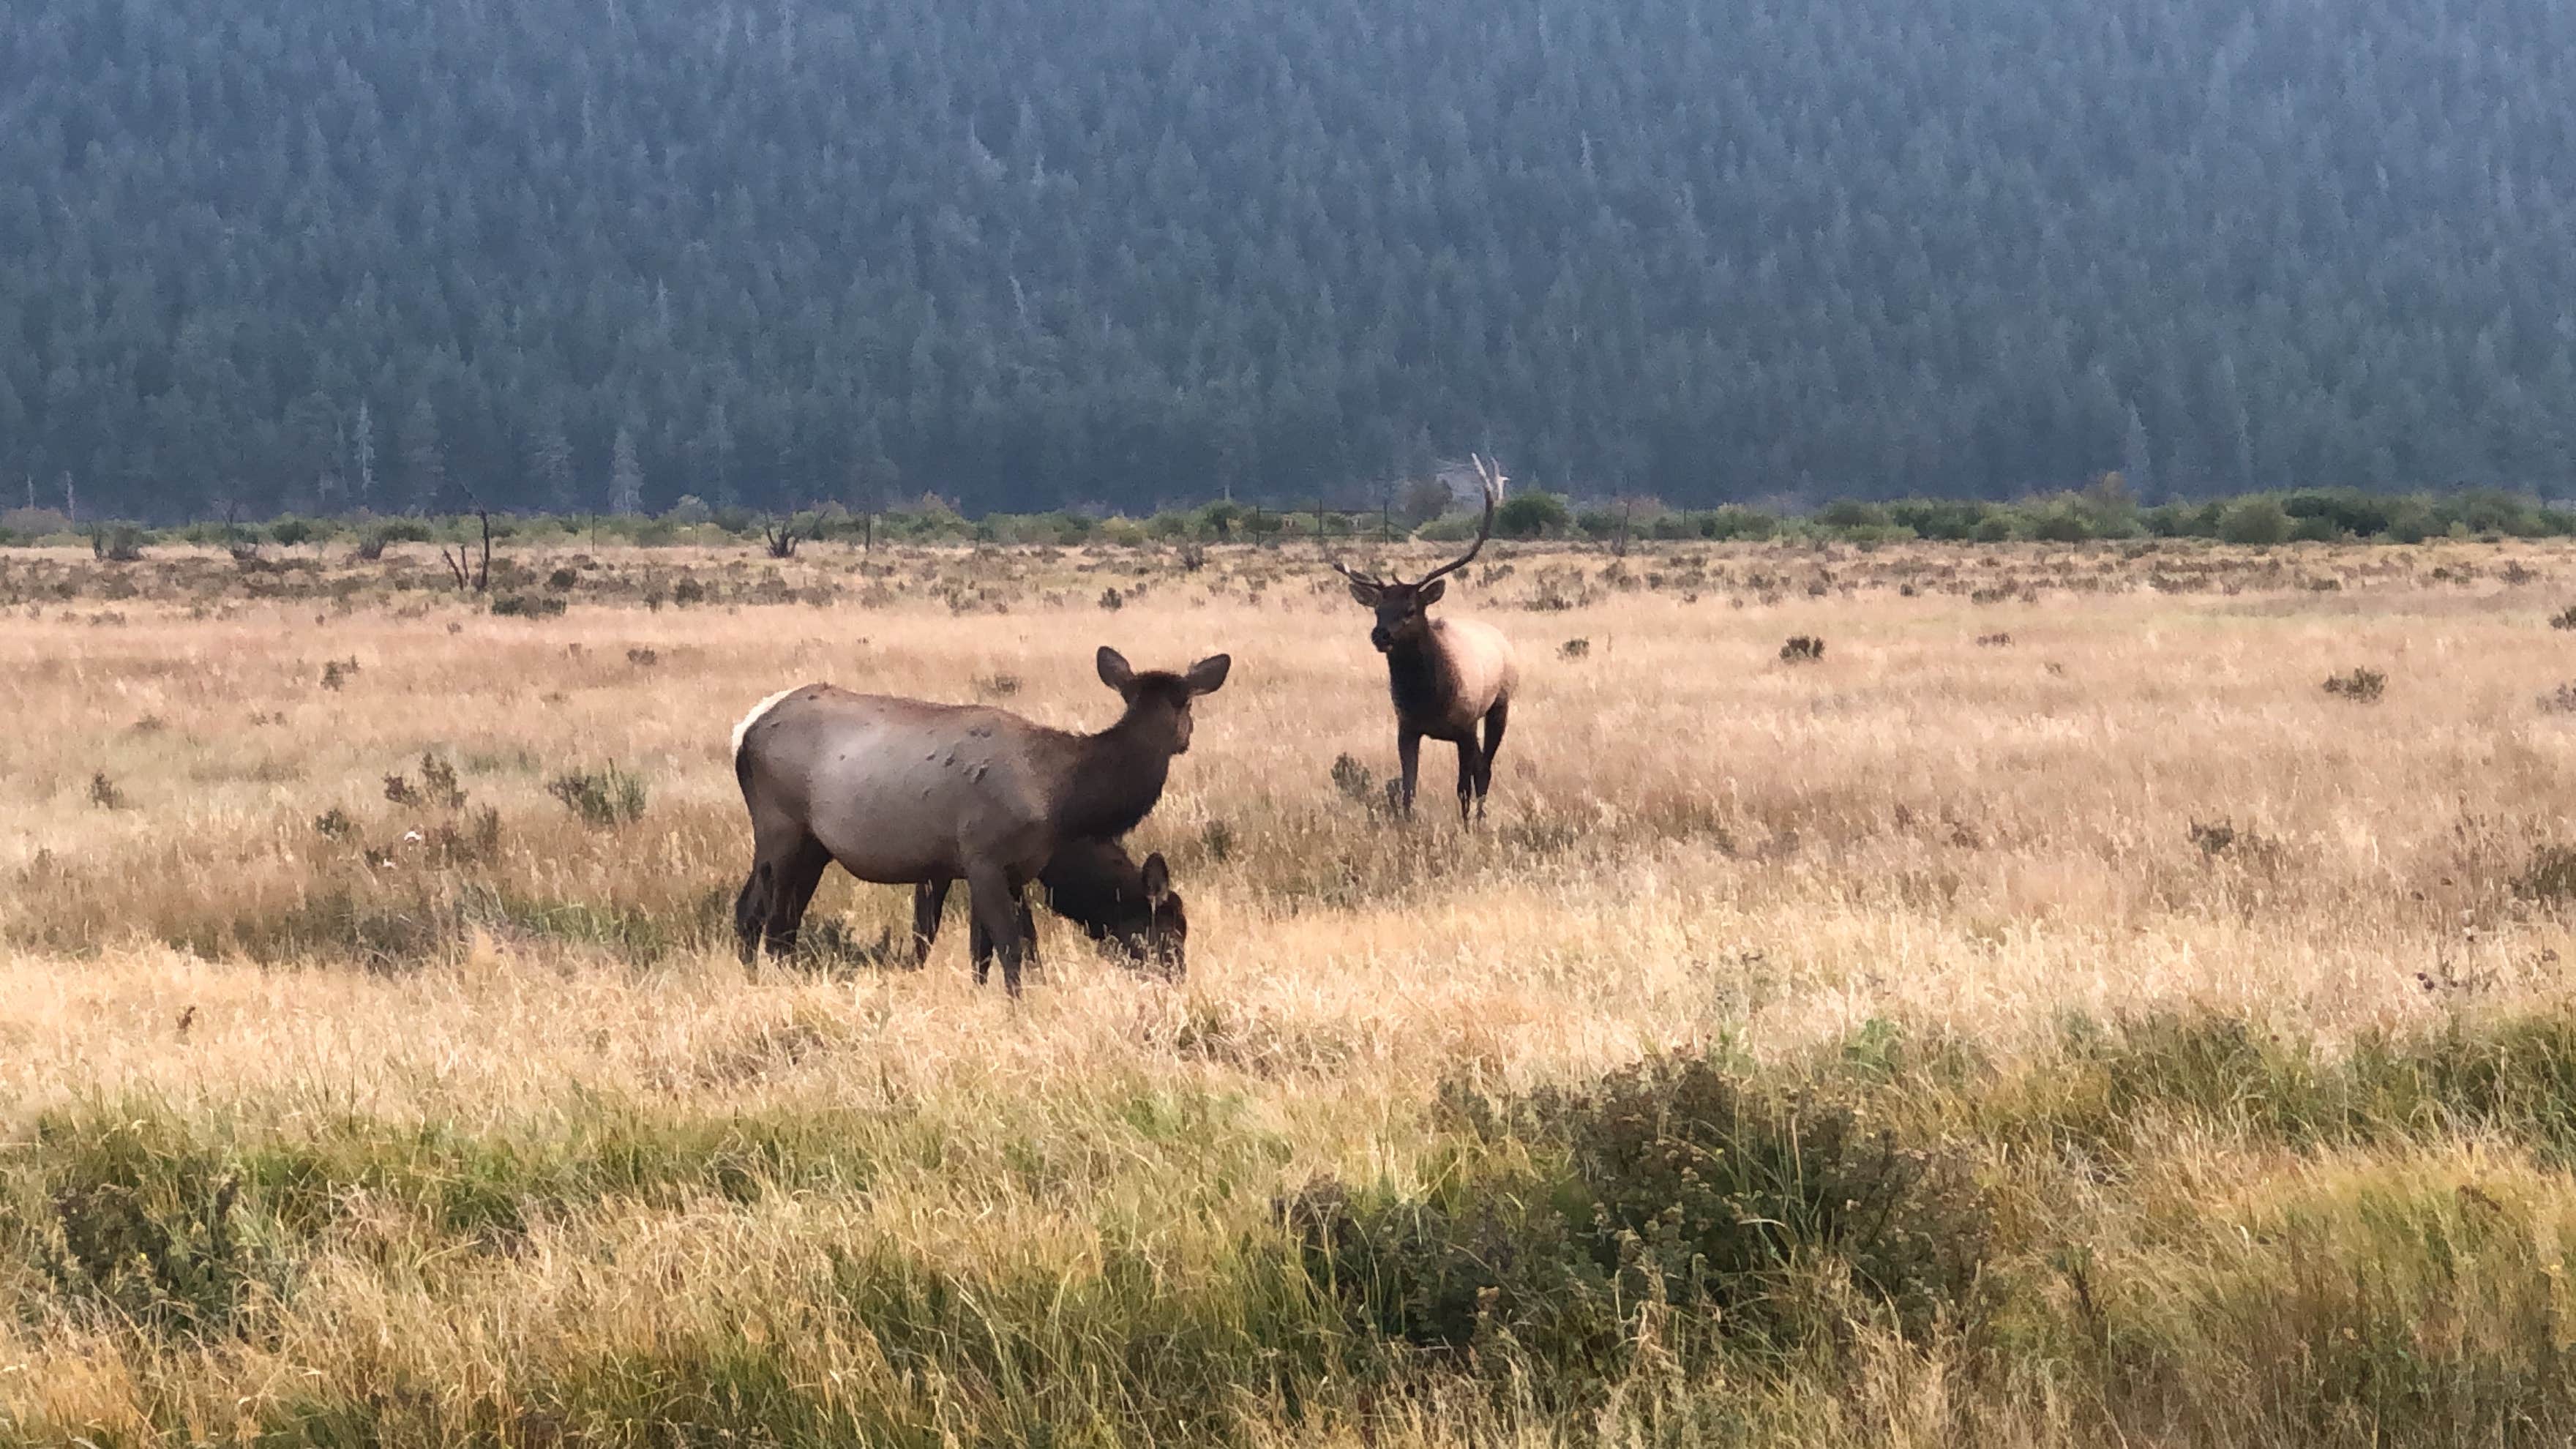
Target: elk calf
point(1096, 885)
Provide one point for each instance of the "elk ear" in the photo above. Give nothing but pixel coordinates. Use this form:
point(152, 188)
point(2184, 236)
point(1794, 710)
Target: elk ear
point(1366, 594)
point(1208, 675)
point(1158, 879)
point(1115, 671)
point(1430, 594)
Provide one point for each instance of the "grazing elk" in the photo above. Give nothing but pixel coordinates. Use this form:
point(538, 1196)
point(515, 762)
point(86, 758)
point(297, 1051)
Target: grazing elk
point(1096, 885)
point(904, 792)
point(1444, 674)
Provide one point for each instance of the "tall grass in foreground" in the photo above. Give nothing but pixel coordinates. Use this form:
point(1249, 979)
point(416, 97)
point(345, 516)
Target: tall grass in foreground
point(2108, 1038)
point(2376, 1253)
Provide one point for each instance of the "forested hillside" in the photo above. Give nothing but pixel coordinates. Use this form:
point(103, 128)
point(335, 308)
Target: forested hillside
point(587, 253)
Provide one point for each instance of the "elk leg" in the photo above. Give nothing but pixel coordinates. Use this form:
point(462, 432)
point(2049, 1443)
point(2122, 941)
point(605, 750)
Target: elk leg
point(796, 879)
point(1495, 718)
point(1467, 758)
point(980, 942)
point(1408, 754)
point(751, 909)
point(929, 901)
point(996, 899)
point(772, 898)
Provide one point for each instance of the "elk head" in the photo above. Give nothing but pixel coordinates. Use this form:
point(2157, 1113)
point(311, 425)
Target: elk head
point(1160, 698)
point(1154, 932)
point(1401, 607)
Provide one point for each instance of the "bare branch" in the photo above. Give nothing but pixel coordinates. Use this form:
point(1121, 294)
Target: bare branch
point(480, 578)
point(1492, 478)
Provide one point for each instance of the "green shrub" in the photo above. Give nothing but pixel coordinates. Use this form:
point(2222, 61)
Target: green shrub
point(2550, 878)
point(2411, 520)
point(2340, 511)
point(1533, 513)
point(2491, 511)
point(1355, 780)
point(133, 1223)
point(1670, 1183)
point(1709, 1190)
point(602, 799)
point(1734, 522)
point(1614, 522)
point(1852, 513)
point(2255, 521)
point(1454, 528)
point(116, 543)
point(528, 606)
point(2060, 524)
point(1942, 518)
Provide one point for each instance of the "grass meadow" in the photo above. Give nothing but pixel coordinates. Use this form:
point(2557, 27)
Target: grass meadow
point(2051, 1016)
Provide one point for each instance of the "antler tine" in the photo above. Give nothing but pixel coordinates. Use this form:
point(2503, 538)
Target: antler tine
point(1325, 544)
point(1492, 478)
point(1354, 575)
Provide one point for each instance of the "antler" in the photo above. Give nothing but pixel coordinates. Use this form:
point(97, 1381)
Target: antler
point(1493, 481)
point(1354, 575)
point(1324, 542)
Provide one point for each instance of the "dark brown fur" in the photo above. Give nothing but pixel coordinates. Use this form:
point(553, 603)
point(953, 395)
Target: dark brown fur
point(1444, 676)
point(1098, 886)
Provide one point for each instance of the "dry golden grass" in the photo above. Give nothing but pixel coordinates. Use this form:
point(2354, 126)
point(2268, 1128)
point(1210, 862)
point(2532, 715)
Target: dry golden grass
point(1692, 845)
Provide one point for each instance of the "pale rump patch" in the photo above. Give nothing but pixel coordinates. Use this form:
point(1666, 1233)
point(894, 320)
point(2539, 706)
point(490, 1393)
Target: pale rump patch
point(757, 710)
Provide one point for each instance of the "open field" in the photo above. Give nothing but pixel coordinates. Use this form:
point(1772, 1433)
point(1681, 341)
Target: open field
point(2067, 1022)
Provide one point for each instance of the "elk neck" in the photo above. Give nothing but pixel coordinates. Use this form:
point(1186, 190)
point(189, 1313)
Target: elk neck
point(1418, 677)
point(1117, 775)
point(1094, 888)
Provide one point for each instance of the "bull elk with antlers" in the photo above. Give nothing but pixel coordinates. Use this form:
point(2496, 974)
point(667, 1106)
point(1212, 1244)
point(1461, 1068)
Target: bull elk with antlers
point(1444, 675)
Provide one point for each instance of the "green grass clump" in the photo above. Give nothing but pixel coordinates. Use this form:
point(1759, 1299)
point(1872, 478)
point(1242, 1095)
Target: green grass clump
point(2113, 1088)
point(1673, 1187)
point(602, 798)
point(129, 1224)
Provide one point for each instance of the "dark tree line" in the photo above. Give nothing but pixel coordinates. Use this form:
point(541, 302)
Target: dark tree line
point(601, 253)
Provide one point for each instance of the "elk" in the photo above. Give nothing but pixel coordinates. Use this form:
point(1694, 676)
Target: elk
point(1096, 885)
point(1444, 675)
point(906, 792)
